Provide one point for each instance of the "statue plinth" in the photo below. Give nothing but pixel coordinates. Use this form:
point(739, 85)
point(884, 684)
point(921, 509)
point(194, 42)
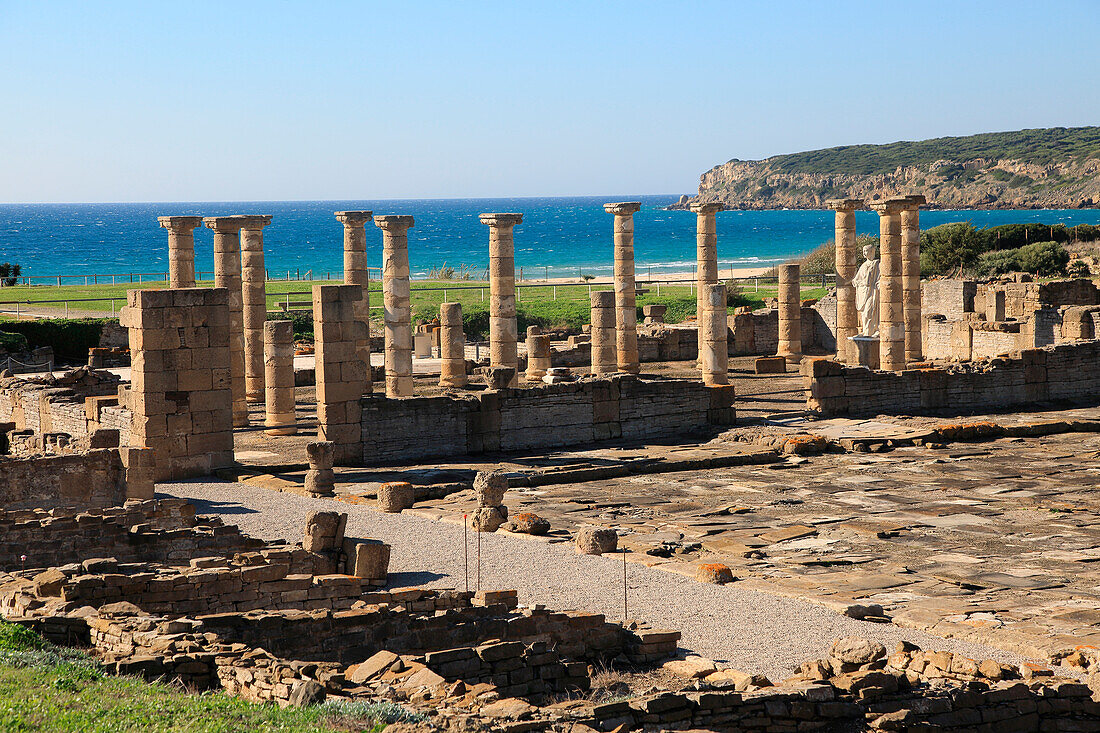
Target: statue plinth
point(867, 351)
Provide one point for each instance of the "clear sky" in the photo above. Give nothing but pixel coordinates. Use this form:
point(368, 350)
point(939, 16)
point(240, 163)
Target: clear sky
point(236, 100)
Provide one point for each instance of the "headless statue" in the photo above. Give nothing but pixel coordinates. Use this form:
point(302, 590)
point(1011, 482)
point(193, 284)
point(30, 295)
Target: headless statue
point(866, 285)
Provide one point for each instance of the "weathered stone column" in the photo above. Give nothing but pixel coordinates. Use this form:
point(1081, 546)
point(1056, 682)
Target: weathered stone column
point(356, 273)
point(538, 354)
point(254, 296)
point(713, 348)
point(279, 378)
point(790, 313)
point(847, 317)
point(626, 313)
point(706, 253)
point(503, 329)
point(395, 299)
point(910, 277)
point(452, 346)
point(891, 318)
point(338, 370)
point(227, 274)
point(181, 249)
point(604, 350)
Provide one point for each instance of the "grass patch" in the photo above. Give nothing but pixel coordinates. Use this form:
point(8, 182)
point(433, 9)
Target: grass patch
point(46, 688)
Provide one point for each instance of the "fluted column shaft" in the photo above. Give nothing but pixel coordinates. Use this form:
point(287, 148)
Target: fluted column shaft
point(395, 299)
point(790, 313)
point(227, 274)
point(713, 347)
point(891, 322)
point(626, 310)
point(254, 297)
point(357, 273)
point(847, 317)
point(604, 350)
point(279, 378)
point(452, 346)
point(910, 278)
point(181, 249)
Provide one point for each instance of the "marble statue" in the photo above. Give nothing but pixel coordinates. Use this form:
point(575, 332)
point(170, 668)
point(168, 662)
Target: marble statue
point(866, 285)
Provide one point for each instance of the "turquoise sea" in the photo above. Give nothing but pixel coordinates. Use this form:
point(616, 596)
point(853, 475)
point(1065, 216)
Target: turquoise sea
point(559, 236)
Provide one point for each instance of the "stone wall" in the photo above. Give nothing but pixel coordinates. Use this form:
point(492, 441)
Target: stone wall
point(160, 531)
point(950, 298)
point(1065, 373)
point(93, 479)
point(54, 405)
point(627, 407)
point(757, 332)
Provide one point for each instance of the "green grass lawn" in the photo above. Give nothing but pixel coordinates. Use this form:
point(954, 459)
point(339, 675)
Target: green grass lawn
point(45, 688)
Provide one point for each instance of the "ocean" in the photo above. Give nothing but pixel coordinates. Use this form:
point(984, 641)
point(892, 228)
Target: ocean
point(558, 237)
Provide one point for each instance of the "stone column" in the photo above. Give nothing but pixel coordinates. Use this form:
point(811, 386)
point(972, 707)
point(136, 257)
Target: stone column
point(452, 346)
point(227, 274)
point(713, 348)
point(254, 297)
point(279, 378)
point(891, 317)
point(790, 314)
point(538, 354)
point(395, 299)
point(503, 329)
point(338, 371)
point(847, 317)
point(910, 277)
point(356, 273)
point(626, 314)
point(706, 253)
point(604, 350)
point(181, 249)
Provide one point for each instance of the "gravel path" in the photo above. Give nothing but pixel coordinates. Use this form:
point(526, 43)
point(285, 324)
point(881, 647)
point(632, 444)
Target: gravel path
point(753, 631)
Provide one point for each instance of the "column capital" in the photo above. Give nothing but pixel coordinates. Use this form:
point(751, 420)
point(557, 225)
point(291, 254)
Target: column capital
point(622, 208)
point(180, 223)
point(916, 200)
point(712, 207)
point(224, 224)
point(890, 206)
point(254, 221)
point(501, 220)
point(844, 204)
point(353, 218)
point(393, 222)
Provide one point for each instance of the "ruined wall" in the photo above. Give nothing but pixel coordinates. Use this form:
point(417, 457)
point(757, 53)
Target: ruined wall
point(950, 298)
point(1067, 372)
point(517, 419)
point(93, 479)
point(757, 332)
point(161, 531)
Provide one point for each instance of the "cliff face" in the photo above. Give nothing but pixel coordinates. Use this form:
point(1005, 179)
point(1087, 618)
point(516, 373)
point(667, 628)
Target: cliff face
point(1060, 175)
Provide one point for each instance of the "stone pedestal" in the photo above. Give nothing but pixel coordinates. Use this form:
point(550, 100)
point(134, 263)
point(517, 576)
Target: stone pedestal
point(847, 317)
point(227, 274)
point(398, 309)
point(356, 273)
point(706, 251)
point(866, 349)
point(790, 313)
point(503, 328)
point(713, 348)
point(910, 277)
point(452, 346)
point(279, 378)
point(538, 354)
point(891, 319)
point(626, 313)
point(254, 296)
point(320, 478)
point(604, 349)
point(181, 249)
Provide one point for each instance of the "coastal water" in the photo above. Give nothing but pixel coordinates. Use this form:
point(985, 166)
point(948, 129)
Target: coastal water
point(558, 236)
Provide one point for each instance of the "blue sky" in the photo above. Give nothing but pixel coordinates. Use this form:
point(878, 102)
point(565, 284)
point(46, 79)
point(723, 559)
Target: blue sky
point(234, 100)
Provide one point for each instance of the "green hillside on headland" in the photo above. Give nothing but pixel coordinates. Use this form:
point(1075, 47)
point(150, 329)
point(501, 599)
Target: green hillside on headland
point(1054, 167)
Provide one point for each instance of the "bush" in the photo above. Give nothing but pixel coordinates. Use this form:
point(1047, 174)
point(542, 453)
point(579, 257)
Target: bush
point(950, 248)
point(1043, 258)
point(822, 259)
point(9, 273)
point(997, 263)
point(69, 338)
point(12, 342)
point(1078, 268)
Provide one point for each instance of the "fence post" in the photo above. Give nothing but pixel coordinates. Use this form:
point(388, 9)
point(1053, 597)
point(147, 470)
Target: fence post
point(58, 281)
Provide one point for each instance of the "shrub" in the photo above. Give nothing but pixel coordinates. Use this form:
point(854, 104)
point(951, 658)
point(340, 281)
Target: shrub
point(1078, 268)
point(949, 248)
point(997, 263)
point(12, 342)
point(9, 273)
point(1044, 258)
point(69, 338)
